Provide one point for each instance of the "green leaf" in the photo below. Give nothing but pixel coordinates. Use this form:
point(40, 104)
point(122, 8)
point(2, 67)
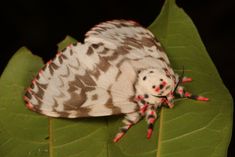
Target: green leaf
point(67, 41)
point(192, 128)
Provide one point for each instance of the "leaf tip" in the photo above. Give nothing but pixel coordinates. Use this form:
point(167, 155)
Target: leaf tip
point(64, 43)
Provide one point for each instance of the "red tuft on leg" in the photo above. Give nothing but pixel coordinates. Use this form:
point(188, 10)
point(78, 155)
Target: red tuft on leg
point(187, 94)
point(186, 79)
point(118, 137)
point(169, 104)
point(180, 91)
point(149, 133)
point(143, 109)
point(151, 120)
point(201, 98)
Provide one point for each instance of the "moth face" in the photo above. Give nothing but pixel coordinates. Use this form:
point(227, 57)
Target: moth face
point(153, 82)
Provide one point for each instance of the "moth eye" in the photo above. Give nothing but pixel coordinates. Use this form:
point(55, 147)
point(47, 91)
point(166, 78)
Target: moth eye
point(146, 96)
point(144, 78)
point(153, 86)
point(161, 79)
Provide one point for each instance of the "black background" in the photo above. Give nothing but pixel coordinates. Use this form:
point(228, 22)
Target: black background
point(40, 25)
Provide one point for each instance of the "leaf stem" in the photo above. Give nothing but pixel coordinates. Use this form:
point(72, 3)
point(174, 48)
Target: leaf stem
point(160, 132)
point(50, 137)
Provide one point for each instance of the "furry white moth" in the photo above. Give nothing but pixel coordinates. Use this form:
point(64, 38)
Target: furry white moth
point(120, 69)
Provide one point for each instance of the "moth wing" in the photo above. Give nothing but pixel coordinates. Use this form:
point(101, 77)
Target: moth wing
point(125, 39)
point(79, 83)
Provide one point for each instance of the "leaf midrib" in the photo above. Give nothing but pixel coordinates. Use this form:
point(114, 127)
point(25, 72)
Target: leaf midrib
point(162, 109)
point(50, 137)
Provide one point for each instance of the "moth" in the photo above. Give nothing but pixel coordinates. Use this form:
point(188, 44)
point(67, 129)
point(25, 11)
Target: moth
point(121, 68)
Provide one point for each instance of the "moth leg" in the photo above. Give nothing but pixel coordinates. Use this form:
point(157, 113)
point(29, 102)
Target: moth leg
point(151, 116)
point(169, 100)
point(184, 94)
point(168, 103)
point(129, 120)
point(186, 79)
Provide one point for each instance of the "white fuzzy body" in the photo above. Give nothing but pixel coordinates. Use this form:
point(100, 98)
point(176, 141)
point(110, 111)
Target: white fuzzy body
point(100, 77)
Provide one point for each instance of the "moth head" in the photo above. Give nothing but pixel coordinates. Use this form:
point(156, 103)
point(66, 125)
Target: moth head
point(154, 82)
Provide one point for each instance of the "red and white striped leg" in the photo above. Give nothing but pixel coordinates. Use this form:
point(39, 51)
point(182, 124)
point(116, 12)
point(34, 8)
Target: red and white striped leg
point(170, 104)
point(186, 79)
point(184, 94)
point(151, 116)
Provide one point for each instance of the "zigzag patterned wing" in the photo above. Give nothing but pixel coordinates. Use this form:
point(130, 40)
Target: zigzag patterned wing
point(125, 39)
point(80, 83)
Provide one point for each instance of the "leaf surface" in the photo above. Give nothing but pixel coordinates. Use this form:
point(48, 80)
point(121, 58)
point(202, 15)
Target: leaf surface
point(192, 128)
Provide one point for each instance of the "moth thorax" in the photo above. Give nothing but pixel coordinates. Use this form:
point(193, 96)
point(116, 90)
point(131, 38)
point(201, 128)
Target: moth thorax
point(154, 82)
